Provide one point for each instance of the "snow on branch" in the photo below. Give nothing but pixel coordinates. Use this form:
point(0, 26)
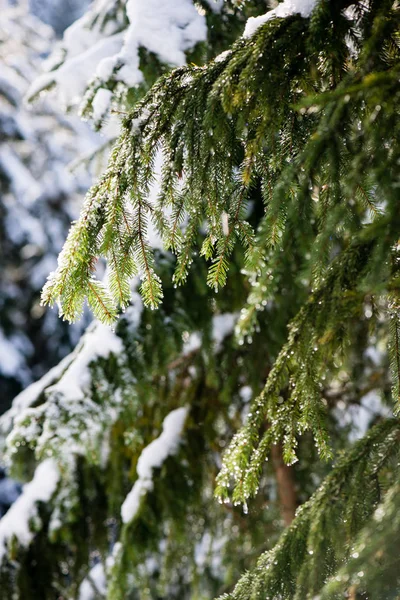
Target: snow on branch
point(100, 44)
point(166, 28)
point(57, 415)
point(17, 521)
point(95, 584)
point(71, 377)
point(152, 457)
point(222, 326)
point(30, 395)
point(284, 9)
point(98, 341)
point(215, 5)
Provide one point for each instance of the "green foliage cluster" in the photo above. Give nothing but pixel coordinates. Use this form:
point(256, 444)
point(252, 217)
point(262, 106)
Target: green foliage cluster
point(326, 551)
point(297, 112)
point(97, 439)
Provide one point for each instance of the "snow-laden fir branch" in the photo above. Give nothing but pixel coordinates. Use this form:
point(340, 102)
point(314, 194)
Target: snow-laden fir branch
point(284, 9)
point(101, 49)
point(208, 146)
point(327, 530)
point(16, 525)
point(58, 415)
point(153, 457)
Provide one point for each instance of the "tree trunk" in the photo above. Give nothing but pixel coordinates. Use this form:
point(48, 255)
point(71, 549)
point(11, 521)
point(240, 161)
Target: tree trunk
point(285, 484)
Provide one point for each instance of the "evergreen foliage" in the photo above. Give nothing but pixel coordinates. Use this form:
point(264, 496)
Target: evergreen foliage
point(278, 189)
point(327, 536)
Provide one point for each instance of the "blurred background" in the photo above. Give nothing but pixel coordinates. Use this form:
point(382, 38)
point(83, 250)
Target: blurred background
point(40, 191)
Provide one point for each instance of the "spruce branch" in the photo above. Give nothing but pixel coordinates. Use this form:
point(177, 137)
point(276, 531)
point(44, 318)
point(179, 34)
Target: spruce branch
point(315, 337)
point(322, 535)
point(232, 116)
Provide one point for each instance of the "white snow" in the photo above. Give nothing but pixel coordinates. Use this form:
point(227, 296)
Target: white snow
point(101, 104)
point(22, 227)
point(106, 67)
point(134, 311)
point(284, 9)
point(71, 419)
point(223, 325)
point(72, 77)
point(246, 393)
point(16, 522)
point(166, 28)
point(28, 396)
point(222, 56)
point(94, 585)
point(192, 344)
point(24, 186)
point(375, 354)
point(91, 49)
point(40, 195)
point(215, 5)
point(152, 457)
point(98, 341)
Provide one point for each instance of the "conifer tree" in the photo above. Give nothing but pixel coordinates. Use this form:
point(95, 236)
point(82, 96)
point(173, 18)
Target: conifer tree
point(267, 171)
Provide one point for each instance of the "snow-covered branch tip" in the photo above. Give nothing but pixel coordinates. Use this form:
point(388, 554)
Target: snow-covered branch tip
point(153, 457)
point(16, 525)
